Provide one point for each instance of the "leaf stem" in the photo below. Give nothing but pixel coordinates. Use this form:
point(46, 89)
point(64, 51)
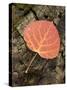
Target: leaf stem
point(30, 63)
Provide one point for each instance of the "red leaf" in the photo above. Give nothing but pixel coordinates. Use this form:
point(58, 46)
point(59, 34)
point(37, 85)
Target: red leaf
point(42, 37)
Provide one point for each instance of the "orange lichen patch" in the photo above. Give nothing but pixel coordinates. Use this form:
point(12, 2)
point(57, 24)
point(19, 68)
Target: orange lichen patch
point(42, 37)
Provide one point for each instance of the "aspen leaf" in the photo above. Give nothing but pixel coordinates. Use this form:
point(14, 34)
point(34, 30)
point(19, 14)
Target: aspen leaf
point(42, 37)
